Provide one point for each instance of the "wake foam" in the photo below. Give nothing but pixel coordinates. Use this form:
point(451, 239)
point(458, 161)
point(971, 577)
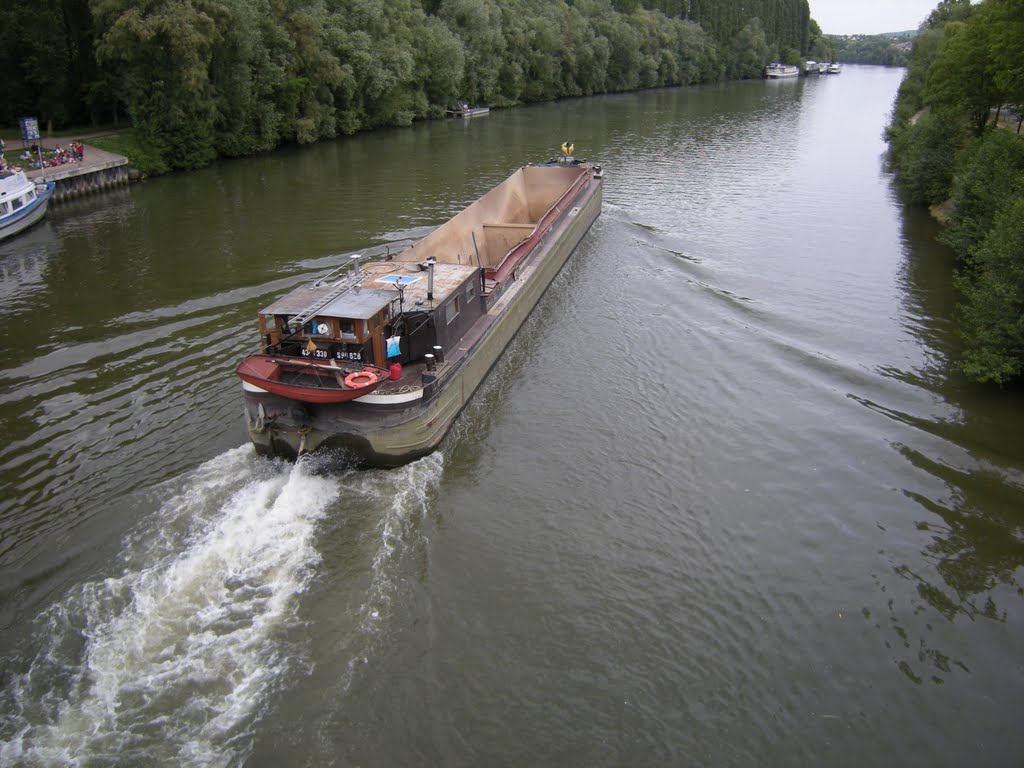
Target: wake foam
point(169, 661)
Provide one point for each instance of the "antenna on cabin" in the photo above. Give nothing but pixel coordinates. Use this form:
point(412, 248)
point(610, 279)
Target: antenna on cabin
point(430, 278)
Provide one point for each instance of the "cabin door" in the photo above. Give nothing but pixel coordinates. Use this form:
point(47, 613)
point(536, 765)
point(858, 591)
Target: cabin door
point(377, 336)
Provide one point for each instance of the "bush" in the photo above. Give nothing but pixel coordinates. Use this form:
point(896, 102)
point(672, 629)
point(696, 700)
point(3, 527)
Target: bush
point(140, 155)
point(993, 312)
point(925, 151)
point(991, 174)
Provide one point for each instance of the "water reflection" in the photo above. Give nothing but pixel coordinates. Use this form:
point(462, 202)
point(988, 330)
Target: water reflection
point(980, 544)
point(23, 262)
point(977, 546)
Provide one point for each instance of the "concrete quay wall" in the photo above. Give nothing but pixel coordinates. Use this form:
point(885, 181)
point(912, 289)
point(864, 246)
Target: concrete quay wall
point(76, 182)
point(99, 170)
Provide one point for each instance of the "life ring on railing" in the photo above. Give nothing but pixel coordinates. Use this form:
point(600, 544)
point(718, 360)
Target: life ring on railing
point(352, 382)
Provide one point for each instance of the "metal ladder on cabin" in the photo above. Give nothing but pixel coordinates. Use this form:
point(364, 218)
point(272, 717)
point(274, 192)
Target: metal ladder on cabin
point(354, 276)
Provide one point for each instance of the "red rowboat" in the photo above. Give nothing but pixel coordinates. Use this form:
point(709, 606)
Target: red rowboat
point(308, 380)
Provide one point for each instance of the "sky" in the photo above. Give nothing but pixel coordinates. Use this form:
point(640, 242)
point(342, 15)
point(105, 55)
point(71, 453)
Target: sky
point(869, 17)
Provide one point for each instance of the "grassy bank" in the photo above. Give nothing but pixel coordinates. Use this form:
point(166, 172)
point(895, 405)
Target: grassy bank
point(140, 157)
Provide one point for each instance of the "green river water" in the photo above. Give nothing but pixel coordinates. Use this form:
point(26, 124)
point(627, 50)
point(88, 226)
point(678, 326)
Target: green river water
point(724, 501)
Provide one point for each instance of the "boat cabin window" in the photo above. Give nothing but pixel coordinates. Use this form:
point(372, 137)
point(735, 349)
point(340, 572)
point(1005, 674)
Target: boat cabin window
point(470, 291)
point(4, 208)
point(452, 310)
point(348, 327)
point(17, 203)
point(320, 327)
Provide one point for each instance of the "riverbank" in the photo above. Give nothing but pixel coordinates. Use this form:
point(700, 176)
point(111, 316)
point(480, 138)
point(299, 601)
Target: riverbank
point(97, 170)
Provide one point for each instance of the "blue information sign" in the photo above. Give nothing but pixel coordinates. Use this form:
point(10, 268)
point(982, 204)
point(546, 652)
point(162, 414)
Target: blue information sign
point(29, 128)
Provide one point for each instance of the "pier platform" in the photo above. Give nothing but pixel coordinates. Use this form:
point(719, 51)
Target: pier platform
point(98, 170)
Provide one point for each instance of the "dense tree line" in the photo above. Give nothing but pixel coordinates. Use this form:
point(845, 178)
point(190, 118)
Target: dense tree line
point(198, 79)
point(951, 141)
point(887, 50)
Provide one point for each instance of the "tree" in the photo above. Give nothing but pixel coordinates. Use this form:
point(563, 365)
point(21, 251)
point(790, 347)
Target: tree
point(961, 76)
point(947, 11)
point(46, 53)
point(159, 51)
point(478, 26)
point(749, 51)
point(1007, 45)
point(993, 312)
point(926, 152)
point(990, 175)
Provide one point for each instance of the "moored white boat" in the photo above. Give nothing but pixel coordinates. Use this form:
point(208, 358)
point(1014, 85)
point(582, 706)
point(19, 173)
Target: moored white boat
point(23, 202)
point(776, 70)
point(463, 109)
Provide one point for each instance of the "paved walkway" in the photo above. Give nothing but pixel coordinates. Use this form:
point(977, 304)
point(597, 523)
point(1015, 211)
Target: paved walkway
point(94, 159)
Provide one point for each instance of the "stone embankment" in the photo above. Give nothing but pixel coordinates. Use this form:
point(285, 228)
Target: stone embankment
point(98, 170)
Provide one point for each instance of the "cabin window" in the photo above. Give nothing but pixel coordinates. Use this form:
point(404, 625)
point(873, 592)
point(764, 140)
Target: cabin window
point(4, 208)
point(470, 292)
point(320, 327)
point(374, 322)
point(17, 202)
point(452, 311)
point(348, 328)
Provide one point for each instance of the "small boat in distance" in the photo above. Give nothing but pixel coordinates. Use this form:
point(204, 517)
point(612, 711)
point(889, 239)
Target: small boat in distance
point(811, 67)
point(377, 358)
point(309, 381)
point(776, 70)
point(23, 202)
point(834, 68)
point(462, 109)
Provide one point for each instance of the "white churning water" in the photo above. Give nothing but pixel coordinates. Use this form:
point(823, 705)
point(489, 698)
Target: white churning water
point(169, 661)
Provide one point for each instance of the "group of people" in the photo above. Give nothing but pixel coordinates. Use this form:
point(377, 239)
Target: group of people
point(74, 152)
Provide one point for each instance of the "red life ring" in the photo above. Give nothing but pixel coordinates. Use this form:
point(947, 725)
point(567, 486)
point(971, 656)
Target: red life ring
point(351, 379)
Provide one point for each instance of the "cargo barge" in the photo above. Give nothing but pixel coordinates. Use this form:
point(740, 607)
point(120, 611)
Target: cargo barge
point(419, 329)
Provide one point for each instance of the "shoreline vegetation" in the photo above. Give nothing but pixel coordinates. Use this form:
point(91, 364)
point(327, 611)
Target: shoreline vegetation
point(957, 147)
point(194, 81)
point(199, 80)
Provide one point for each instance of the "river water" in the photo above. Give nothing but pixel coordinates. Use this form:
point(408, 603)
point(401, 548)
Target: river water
point(723, 502)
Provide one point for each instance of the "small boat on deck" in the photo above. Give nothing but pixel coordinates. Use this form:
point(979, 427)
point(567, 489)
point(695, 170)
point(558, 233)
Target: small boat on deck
point(427, 323)
point(308, 381)
point(23, 202)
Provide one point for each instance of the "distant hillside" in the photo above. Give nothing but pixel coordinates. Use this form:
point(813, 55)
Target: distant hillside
point(891, 49)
